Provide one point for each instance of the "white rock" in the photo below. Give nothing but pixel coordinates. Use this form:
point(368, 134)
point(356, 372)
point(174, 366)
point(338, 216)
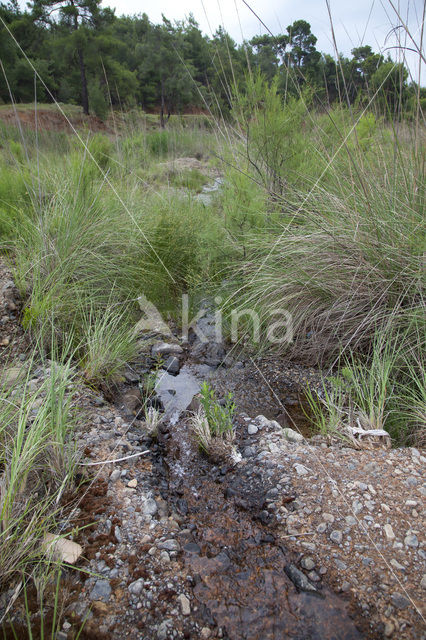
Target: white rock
point(293, 436)
point(185, 605)
point(62, 549)
point(389, 532)
point(252, 429)
point(301, 470)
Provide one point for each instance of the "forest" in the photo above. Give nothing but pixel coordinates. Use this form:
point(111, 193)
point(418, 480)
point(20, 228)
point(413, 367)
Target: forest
point(88, 56)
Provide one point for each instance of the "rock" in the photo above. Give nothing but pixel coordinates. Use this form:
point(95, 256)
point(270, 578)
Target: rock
point(172, 365)
point(192, 547)
point(423, 581)
point(307, 563)
point(163, 629)
point(62, 549)
point(132, 401)
point(205, 633)
point(399, 601)
point(211, 353)
point(185, 605)
point(169, 545)
point(150, 507)
point(301, 470)
point(299, 579)
point(164, 557)
point(328, 517)
point(411, 540)
point(389, 532)
point(252, 429)
point(132, 484)
point(101, 591)
point(336, 536)
point(115, 475)
point(165, 348)
point(389, 629)
point(136, 587)
point(293, 436)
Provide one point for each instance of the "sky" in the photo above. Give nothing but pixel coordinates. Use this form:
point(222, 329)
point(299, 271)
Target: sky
point(355, 22)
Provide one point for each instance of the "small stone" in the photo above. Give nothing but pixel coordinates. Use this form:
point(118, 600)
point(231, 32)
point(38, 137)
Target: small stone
point(163, 629)
point(411, 540)
point(172, 365)
point(185, 605)
point(205, 633)
point(312, 575)
point(136, 587)
point(423, 581)
point(165, 348)
point(350, 521)
point(389, 532)
point(293, 436)
point(252, 429)
point(101, 591)
point(307, 563)
point(132, 484)
point(150, 507)
point(328, 517)
point(345, 586)
point(399, 601)
point(396, 564)
point(322, 527)
point(301, 470)
point(169, 545)
point(336, 536)
point(115, 475)
point(164, 557)
point(389, 629)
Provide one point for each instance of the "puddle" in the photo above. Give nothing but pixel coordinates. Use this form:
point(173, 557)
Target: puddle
point(176, 392)
point(206, 195)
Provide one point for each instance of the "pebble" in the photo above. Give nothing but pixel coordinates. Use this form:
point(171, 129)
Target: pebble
point(136, 587)
point(411, 540)
point(336, 536)
point(389, 629)
point(163, 629)
point(252, 429)
point(423, 581)
point(132, 484)
point(399, 601)
point(101, 591)
point(205, 633)
point(389, 532)
point(150, 507)
point(307, 563)
point(185, 605)
point(169, 545)
point(301, 470)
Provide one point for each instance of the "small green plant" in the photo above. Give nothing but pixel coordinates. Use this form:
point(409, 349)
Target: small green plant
point(219, 417)
point(327, 409)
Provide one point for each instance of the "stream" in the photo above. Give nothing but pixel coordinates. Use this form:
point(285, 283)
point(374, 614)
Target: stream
point(244, 579)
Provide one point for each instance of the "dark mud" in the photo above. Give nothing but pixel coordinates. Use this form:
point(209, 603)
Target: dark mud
point(238, 567)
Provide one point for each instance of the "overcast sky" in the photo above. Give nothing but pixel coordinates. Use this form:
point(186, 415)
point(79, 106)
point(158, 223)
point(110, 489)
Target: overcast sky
point(355, 22)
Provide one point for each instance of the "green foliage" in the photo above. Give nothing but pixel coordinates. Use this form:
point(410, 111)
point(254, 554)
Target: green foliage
point(219, 417)
point(98, 102)
point(158, 143)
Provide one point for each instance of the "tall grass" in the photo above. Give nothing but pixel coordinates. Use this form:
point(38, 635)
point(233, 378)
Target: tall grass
point(38, 460)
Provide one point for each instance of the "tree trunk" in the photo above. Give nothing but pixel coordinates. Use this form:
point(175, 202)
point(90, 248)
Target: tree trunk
point(162, 124)
point(84, 92)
